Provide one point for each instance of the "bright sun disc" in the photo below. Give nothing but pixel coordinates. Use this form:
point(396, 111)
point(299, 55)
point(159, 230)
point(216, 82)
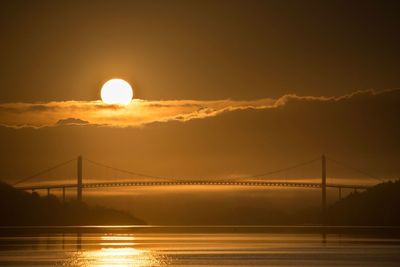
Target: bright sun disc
point(116, 92)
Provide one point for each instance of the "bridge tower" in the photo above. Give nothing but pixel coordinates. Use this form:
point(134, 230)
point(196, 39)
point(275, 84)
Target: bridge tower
point(79, 179)
point(323, 187)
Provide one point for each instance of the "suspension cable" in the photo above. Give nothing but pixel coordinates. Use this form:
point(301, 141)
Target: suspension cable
point(278, 170)
point(126, 171)
point(44, 171)
point(355, 169)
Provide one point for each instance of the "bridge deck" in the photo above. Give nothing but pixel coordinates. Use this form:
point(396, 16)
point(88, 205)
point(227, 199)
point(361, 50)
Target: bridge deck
point(193, 183)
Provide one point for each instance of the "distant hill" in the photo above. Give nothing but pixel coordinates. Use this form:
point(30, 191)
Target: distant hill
point(379, 205)
point(18, 208)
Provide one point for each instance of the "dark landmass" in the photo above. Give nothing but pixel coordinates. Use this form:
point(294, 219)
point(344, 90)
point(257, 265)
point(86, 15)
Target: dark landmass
point(18, 208)
point(378, 206)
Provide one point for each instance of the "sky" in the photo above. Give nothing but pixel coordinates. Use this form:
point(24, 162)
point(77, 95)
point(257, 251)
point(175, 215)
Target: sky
point(221, 88)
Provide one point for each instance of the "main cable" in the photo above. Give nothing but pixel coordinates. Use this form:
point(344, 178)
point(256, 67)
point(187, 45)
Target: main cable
point(355, 169)
point(278, 170)
point(127, 171)
point(44, 171)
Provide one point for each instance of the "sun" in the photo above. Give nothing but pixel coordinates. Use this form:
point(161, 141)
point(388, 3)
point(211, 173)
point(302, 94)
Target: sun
point(116, 92)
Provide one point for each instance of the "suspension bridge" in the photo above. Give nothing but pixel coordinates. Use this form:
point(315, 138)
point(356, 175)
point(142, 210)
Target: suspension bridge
point(144, 180)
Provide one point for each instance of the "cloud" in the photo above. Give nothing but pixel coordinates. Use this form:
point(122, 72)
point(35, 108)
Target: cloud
point(72, 121)
point(142, 112)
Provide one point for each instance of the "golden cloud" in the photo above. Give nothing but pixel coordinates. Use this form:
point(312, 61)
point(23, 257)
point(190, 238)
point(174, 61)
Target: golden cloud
point(139, 112)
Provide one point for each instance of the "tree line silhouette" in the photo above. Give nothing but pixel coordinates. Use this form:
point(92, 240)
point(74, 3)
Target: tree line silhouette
point(19, 208)
point(377, 206)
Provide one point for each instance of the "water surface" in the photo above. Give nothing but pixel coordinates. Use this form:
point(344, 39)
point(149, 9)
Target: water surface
point(196, 246)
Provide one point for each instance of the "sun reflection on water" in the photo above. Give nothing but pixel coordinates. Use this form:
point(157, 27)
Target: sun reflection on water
point(114, 257)
point(120, 257)
point(110, 255)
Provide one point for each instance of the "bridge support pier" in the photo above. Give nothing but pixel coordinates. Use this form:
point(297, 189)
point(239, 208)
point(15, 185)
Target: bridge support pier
point(79, 180)
point(323, 189)
point(48, 191)
point(63, 194)
point(340, 193)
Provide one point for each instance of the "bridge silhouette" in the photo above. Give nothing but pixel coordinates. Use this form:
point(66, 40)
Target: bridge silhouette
point(144, 180)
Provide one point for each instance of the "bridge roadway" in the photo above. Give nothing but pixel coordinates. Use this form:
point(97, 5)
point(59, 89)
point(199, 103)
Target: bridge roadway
point(189, 183)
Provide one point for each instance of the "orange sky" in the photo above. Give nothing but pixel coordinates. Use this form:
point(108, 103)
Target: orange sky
point(222, 88)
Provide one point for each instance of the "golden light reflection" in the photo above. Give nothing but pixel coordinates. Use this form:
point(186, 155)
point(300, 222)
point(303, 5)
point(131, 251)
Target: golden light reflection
point(118, 237)
point(120, 257)
point(114, 257)
point(115, 254)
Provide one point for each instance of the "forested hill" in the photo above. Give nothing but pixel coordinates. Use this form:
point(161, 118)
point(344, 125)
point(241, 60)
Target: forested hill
point(18, 208)
point(378, 206)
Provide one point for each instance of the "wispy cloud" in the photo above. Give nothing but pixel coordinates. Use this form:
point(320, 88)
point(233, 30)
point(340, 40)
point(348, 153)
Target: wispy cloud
point(140, 112)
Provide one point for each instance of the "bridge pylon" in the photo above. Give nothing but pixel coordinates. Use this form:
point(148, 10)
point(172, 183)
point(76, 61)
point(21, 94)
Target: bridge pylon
point(323, 189)
point(79, 179)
